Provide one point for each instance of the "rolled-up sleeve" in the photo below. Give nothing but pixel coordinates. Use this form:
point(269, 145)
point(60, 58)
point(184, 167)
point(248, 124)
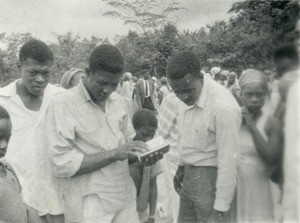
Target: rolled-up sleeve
point(227, 124)
point(60, 134)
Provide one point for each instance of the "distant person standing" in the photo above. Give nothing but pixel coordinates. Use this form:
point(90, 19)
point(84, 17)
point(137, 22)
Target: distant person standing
point(26, 100)
point(144, 92)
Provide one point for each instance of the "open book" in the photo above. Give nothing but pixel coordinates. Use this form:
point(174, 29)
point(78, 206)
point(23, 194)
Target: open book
point(156, 144)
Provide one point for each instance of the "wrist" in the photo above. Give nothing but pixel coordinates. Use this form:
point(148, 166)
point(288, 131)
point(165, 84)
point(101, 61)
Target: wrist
point(120, 154)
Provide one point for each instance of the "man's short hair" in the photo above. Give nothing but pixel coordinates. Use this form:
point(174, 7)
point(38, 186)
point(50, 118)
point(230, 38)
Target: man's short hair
point(36, 50)
point(3, 113)
point(144, 117)
point(107, 58)
point(183, 63)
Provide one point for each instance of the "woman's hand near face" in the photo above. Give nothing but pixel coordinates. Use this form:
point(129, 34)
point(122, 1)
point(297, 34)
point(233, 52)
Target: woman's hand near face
point(247, 118)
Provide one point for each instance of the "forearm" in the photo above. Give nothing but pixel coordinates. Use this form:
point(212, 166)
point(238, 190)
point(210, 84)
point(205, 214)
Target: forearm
point(97, 161)
point(152, 196)
point(262, 146)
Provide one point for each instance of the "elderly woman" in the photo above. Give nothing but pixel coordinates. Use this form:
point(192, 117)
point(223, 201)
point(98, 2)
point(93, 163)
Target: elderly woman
point(72, 77)
point(260, 138)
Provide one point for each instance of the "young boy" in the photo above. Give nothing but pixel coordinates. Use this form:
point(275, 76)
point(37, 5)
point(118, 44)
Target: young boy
point(144, 177)
point(12, 208)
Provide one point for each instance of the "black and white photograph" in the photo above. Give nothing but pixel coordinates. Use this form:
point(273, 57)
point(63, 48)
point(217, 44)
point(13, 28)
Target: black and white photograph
point(149, 111)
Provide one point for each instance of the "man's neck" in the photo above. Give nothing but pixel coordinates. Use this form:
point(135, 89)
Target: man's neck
point(22, 91)
point(32, 102)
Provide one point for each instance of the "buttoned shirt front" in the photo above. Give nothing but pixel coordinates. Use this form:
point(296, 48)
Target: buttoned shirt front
point(209, 136)
point(76, 127)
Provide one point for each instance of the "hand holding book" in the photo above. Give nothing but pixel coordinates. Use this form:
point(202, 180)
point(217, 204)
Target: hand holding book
point(157, 147)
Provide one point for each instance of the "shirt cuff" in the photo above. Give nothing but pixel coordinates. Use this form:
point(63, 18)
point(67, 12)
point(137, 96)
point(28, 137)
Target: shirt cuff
point(221, 205)
point(76, 163)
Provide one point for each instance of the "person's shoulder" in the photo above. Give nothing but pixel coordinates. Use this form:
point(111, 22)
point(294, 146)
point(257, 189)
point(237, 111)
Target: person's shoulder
point(9, 89)
point(55, 89)
point(62, 95)
point(116, 97)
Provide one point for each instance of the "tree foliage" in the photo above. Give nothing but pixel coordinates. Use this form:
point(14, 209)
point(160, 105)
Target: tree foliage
point(141, 14)
point(247, 40)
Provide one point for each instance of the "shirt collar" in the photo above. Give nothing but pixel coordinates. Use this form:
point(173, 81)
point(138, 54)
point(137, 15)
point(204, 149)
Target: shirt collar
point(86, 94)
point(201, 102)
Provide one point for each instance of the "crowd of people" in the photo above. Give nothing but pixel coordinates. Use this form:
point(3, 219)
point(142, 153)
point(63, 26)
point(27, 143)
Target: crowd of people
point(69, 153)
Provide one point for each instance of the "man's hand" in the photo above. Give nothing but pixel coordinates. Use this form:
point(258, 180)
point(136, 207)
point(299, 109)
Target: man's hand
point(217, 216)
point(131, 150)
point(178, 178)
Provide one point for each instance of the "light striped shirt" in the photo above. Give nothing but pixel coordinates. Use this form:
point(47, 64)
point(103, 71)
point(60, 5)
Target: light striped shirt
point(168, 124)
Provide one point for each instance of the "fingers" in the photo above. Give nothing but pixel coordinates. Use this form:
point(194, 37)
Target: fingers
point(137, 146)
point(153, 158)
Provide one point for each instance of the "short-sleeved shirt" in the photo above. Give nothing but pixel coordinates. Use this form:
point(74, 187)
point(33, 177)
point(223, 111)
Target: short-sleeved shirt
point(12, 208)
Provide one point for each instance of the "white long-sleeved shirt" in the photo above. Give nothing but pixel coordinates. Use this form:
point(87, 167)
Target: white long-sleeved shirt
point(76, 127)
point(209, 136)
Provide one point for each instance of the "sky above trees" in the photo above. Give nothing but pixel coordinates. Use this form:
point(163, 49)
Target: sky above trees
point(46, 18)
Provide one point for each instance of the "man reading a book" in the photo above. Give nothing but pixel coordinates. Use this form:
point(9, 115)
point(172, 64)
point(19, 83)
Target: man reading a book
point(208, 142)
point(89, 134)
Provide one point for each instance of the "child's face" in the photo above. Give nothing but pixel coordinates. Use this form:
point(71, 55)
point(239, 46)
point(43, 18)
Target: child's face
point(5, 133)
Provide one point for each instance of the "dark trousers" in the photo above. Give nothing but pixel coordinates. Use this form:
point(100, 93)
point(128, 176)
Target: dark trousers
point(149, 104)
point(197, 195)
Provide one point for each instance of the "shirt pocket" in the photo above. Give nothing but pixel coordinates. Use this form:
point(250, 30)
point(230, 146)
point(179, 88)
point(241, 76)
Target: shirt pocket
point(198, 136)
point(89, 130)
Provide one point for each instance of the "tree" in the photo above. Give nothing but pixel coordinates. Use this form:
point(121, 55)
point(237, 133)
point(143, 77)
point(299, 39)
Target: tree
point(9, 60)
point(141, 14)
point(70, 52)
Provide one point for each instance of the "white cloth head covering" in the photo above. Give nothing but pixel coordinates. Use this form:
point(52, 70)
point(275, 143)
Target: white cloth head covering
point(215, 70)
point(128, 75)
point(66, 78)
point(252, 76)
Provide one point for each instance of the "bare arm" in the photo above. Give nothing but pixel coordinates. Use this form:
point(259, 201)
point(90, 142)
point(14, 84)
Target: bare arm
point(268, 150)
point(99, 160)
point(152, 196)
